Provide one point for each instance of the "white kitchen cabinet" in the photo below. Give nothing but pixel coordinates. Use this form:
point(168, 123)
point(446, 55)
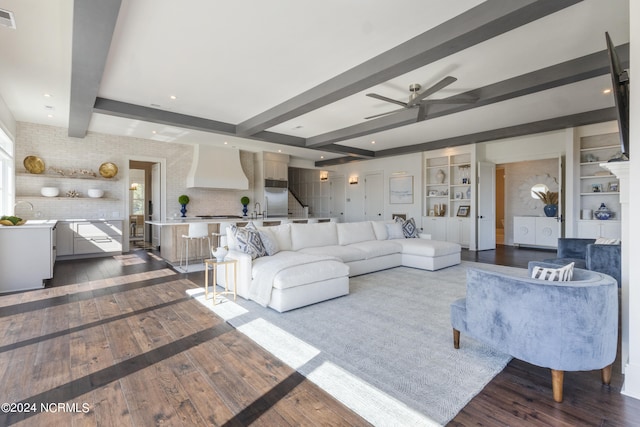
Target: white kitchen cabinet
point(536, 231)
point(89, 238)
point(596, 228)
point(277, 170)
point(28, 256)
point(65, 236)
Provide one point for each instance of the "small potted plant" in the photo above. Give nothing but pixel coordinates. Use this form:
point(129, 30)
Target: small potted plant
point(183, 200)
point(245, 201)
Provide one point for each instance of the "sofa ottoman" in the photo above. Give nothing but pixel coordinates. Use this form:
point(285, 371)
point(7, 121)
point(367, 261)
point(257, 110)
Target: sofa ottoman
point(429, 254)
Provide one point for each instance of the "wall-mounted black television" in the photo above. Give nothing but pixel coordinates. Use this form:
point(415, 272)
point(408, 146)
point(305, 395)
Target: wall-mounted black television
point(620, 82)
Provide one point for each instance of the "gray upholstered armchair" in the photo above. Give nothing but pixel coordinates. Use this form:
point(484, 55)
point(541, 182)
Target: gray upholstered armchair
point(587, 254)
point(564, 326)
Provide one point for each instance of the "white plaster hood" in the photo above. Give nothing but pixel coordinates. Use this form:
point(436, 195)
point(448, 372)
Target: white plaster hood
point(214, 167)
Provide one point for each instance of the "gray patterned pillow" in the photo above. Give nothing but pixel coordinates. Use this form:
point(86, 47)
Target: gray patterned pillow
point(248, 240)
point(409, 228)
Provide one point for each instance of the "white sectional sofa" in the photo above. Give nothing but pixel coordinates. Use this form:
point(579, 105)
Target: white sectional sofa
point(312, 262)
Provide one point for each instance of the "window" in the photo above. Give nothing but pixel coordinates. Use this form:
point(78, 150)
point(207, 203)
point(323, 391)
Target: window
point(7, 175)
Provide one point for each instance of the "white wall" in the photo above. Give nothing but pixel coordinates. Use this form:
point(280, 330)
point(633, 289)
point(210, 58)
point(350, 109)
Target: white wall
point(7, 122)
point(632, 245)
point(409, 165)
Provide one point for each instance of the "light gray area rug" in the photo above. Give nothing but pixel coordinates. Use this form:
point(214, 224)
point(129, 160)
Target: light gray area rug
point(393, 331)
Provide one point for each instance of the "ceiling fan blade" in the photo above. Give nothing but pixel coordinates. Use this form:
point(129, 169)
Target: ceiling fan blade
point(452, 100)
point(384, 98)
point(384, 114)
point(433, 89)
point(422, 112)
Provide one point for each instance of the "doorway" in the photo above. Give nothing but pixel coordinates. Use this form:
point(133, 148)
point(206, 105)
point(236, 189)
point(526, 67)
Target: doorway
point(141, 202)
point(500, 197)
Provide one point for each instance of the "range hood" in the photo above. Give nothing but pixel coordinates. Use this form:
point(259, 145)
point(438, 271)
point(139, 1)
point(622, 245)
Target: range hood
point(214, 167)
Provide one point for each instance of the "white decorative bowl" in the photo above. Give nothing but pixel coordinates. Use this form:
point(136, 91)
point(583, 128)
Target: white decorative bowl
point(50, 191)
point(95, 192)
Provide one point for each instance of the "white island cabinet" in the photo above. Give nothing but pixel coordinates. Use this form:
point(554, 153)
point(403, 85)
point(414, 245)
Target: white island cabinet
point(27, 255)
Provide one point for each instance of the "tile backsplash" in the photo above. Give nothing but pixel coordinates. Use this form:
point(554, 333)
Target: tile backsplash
point(61, 152)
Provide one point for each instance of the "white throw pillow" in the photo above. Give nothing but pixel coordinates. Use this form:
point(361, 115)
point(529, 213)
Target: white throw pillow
point(355, 232)
point(380, 229)
point(394, 231)
point(607, 241)
point(269, 241)
point(564, 274)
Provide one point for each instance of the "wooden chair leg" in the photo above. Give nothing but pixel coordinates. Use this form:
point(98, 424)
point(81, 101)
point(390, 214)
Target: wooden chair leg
point(606, 374)
point(557, 379)
point(456, 339)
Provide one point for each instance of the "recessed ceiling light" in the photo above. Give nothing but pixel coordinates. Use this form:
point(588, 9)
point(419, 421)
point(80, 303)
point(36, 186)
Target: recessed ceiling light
point(172, 96)
point(373, 142)
point(225, 143)
point(279, 151)
point(322, 157)
point(153, 132)
point(47, 95)
point(50, 116)
point(606, 91)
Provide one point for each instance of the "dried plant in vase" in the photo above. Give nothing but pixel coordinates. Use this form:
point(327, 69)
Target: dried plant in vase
point(548, 197)
point(550, 200)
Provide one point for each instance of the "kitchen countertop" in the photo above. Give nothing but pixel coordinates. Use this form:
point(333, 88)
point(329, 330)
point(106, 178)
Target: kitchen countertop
point(32, 223)
point(179, 221)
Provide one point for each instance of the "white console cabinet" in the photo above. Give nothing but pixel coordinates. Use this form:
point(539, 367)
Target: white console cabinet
point(536, 231)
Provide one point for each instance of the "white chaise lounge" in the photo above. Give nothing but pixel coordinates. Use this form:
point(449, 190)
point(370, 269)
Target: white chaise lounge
point(312, 262)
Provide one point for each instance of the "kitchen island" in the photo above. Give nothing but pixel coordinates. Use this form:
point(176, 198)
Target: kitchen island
point(27, 255)
point(171, 231)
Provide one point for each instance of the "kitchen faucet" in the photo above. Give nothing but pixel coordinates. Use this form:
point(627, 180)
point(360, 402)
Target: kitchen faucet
point(257, 209)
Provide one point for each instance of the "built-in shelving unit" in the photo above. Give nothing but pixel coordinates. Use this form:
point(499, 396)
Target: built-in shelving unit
point(448, 195)
point(597, 186)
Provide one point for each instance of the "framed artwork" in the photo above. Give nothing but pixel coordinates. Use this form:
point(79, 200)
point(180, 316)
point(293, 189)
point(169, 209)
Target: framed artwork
point(463, 210)
point(596, 188)
point(457, 195)
point(401, 189)
point(613, 187)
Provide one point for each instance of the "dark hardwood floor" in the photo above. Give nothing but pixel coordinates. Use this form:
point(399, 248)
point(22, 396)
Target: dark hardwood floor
point(121, 336)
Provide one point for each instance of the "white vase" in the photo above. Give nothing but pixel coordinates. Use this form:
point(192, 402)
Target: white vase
point(219, 253)
point(440, 176)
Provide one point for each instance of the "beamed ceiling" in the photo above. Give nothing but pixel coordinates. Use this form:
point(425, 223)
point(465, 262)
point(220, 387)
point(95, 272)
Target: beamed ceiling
point(294, 75)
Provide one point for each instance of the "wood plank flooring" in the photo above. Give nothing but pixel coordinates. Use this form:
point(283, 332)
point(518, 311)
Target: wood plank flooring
point(124, 343)
point(120, 339)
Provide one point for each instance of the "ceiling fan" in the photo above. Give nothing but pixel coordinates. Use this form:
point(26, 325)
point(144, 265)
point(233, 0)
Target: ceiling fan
point(417, 98)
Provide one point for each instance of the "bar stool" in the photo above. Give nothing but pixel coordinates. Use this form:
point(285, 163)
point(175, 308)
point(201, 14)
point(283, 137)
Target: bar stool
point(197, 231)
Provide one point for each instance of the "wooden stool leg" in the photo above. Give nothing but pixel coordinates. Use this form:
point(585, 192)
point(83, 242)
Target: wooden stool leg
point(557, 379)
point(456, 339)
point(606, 374)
